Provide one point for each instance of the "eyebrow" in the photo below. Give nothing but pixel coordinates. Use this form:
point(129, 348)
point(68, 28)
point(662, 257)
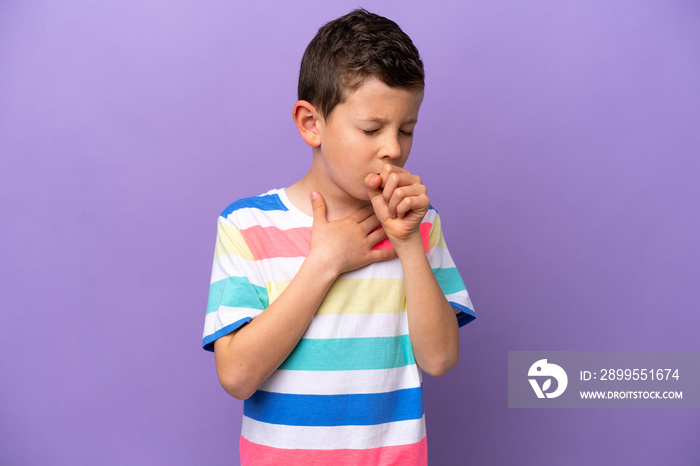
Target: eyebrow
point(384, 120)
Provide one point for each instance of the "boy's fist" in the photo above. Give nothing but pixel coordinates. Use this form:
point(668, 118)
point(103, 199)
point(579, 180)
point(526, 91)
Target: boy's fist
point(400, 201)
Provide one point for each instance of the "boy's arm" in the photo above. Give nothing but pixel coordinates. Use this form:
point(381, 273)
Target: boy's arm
point(400, 202)
point(248, 356)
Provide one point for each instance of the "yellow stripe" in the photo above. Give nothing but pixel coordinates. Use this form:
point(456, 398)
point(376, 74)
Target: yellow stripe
point(356, 296)
point(436, 238)
point(229, 240)
point(274, 289)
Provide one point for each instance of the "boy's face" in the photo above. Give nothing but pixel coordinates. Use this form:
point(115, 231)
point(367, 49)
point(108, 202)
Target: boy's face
point(372, 127)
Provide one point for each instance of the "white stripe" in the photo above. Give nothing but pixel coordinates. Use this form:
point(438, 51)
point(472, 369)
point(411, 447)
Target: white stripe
point(250, 217)
point(285, 268)
point(461, 297)
point(215, 321)
point(343, 382)
point(279, 268)
point(234, 266)
point(358, 325)
point(430, 216)
point(336, 437)
point(285, 219)
point(440, 258)
point(384, 269)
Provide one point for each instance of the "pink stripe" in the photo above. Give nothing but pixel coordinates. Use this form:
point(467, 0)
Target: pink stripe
point(253, 454)
point(424, 235)
point(270, 242)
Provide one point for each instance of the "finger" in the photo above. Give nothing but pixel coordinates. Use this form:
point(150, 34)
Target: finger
point(374, 191)
point(319, 207)
point(370, 224)
point(388, 169)
point(404, 175)
point(374, 184)
point(404, 192)
point(362, 214)
point(418, 204)
point(377, 235)
point(378, 255)
point(392, 180)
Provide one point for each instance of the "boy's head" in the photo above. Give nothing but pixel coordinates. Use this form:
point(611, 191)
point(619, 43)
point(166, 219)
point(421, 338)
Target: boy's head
point(347, 51)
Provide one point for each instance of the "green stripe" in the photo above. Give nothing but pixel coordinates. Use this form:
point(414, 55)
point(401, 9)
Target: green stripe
point(236, 292)
point(449, 280)
point(348, 354)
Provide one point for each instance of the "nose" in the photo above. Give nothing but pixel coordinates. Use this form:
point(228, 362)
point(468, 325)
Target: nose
point(390, 147)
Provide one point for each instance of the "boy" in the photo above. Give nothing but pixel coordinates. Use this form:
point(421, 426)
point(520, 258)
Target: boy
point(328, 296)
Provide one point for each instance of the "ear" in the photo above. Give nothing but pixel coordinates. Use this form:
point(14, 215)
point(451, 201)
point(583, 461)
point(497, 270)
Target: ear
point(307, 118)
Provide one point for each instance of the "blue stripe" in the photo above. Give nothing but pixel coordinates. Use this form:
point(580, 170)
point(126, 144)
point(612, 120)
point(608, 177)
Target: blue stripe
point(264, 202)
point(364, 409)
point(464, 314)
point(236, 292)
point(208, 341)
point(348, 354)
point(449, 280)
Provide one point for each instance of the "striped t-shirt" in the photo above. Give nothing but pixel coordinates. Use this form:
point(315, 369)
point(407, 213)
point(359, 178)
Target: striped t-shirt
point(350, 393)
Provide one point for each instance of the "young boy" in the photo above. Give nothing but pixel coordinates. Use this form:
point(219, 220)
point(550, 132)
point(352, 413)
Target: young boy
point(329, 296)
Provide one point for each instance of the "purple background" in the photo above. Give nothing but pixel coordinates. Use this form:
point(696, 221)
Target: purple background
point(558, 139)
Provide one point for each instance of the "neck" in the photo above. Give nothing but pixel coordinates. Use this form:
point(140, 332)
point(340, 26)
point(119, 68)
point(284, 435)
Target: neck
point(339, 204)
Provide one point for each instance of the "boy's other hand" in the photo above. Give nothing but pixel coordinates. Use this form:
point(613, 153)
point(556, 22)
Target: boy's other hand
point(346, 244)
point(400, 201)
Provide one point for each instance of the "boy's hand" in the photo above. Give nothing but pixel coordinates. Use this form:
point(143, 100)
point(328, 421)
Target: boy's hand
point(400, 201)
point(346, 244)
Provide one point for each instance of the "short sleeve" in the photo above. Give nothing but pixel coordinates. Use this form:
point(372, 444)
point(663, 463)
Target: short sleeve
point(446, 272)
point(237, 291)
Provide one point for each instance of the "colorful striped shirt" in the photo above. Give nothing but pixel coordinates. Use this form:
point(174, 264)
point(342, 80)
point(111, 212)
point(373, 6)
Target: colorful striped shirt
point(350, 392)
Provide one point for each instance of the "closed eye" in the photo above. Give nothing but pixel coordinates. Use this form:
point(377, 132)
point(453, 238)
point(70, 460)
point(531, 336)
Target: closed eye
point(370, 132)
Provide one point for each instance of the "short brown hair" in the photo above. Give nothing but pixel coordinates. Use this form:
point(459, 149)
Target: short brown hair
point(352, 48)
